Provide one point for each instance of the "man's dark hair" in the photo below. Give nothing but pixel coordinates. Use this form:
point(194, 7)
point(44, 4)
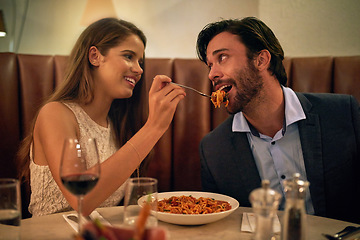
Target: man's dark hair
point(254, 34)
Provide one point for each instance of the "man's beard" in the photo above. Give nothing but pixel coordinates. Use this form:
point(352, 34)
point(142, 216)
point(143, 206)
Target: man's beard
point(248, 84)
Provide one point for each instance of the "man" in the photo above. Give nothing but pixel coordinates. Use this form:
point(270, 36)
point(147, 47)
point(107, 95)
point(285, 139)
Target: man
point(274, 132)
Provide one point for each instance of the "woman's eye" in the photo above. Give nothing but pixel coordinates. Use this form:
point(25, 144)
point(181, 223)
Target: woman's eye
point(128, 56)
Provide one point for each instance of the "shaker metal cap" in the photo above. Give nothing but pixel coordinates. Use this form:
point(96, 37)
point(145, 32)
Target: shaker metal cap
point(264, 196)
point(296, 187)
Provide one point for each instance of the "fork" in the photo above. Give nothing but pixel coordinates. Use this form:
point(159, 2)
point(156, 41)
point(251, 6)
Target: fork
point(201, 93)
point(345, 233)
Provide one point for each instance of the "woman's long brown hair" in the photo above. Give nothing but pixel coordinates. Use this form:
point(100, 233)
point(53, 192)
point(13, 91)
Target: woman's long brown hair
point(127, 116)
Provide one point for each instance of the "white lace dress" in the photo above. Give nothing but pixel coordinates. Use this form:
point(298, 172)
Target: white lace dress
point(46, 197)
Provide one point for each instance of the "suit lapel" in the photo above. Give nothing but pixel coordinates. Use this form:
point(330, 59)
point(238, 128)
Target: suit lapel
point(310, 137)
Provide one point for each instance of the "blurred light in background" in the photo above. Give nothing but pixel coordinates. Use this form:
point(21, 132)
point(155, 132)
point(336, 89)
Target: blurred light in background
point(2, 25)
point(97, 9)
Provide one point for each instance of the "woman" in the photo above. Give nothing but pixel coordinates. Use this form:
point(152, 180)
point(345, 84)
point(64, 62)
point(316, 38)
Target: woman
point(103, 96)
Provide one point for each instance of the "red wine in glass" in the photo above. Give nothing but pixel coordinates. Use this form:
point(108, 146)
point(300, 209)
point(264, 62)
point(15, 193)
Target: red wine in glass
point(80, 184)
point(80, 168)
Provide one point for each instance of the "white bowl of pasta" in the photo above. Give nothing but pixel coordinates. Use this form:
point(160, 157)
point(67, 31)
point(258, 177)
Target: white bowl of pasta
point(193, 208)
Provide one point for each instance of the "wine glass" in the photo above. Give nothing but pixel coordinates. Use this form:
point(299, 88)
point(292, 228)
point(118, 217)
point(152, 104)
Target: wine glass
point(79, 169)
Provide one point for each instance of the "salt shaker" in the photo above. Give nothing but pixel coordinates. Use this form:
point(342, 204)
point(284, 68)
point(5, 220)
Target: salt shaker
point(265, 203)
point(294, 221)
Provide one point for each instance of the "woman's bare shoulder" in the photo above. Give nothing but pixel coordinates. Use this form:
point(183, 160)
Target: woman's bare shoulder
point(57, 113)
point(54, 106)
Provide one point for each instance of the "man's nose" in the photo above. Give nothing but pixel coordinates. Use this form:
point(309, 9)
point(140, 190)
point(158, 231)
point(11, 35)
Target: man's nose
point(214, 73)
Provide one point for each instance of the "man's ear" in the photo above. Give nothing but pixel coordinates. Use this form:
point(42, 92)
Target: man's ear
point(94, 56)
point(263, 60)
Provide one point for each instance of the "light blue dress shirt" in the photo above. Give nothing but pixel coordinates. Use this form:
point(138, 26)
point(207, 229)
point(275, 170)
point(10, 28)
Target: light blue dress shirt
point(278, 158)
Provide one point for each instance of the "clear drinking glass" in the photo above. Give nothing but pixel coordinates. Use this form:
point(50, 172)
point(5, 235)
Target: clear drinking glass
point(80, 169)
point(137, 192)
point(10, 208)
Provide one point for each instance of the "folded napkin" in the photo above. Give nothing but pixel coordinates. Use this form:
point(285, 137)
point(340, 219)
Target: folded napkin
point(71, 219)
point(248, 223)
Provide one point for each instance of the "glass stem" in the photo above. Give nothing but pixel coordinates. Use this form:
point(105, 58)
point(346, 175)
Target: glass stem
point(80, 198)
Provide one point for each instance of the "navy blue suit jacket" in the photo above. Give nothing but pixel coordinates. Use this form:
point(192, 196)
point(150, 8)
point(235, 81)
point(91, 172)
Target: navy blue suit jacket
point(330, 140)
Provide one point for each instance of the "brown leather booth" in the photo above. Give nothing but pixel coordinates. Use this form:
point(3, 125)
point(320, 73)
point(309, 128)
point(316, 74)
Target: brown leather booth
point(25, 80)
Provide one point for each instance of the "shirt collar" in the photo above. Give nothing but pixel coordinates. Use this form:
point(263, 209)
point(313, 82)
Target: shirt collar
point(293, 113)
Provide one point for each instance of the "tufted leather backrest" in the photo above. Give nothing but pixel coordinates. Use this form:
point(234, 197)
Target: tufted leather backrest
point(191, 123)
point(161, 165)
point(9, 114)
point(313, 74)
point(36, 75)
point(347, 75)
point(26, 80)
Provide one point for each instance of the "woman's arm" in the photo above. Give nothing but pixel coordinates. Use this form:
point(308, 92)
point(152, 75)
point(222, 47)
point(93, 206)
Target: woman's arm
point(56, 122)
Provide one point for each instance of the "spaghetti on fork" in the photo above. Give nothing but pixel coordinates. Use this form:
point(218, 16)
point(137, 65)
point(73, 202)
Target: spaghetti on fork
point(219, 97)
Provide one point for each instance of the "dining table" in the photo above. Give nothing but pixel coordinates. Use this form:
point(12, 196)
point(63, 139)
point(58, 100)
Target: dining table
point(55, 227)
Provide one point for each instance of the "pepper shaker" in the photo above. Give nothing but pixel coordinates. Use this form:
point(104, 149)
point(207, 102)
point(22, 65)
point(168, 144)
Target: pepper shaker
point(294, 221)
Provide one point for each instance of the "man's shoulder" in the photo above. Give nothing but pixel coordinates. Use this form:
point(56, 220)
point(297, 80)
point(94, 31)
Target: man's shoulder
point(324, 97)
point(325, 100)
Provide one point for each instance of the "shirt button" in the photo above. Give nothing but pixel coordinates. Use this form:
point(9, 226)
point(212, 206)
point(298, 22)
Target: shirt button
point(283, 177)
point(273, 143)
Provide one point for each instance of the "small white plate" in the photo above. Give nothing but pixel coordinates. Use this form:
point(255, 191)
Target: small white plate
point(194, 219)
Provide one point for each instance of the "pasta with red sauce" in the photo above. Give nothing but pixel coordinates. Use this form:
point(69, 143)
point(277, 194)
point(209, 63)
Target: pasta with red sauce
point(219, 97)
point(191, 205)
